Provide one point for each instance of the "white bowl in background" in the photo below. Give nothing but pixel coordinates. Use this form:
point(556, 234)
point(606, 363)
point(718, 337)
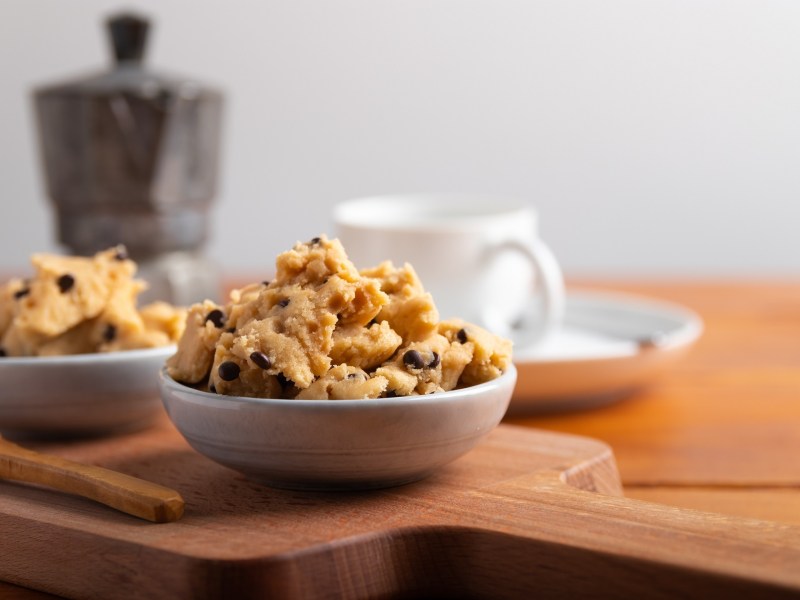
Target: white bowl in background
point(337, 444)
point(81, 394)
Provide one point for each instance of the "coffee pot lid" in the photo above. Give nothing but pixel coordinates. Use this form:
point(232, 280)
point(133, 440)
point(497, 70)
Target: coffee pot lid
point(127, 34)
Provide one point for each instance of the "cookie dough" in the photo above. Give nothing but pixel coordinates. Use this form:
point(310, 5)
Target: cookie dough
point(78, 305)
point(410, 310)
point(323, 330)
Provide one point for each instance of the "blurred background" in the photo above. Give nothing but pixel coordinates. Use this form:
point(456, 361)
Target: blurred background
point(655, 138)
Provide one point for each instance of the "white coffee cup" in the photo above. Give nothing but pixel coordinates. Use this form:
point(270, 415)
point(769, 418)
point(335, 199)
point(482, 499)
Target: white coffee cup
point(479, 256)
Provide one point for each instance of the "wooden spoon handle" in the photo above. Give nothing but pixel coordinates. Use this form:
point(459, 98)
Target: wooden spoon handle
point(125, 493)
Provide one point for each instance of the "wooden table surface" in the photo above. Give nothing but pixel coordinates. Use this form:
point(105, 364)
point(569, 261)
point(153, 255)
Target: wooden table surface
point(720, 431)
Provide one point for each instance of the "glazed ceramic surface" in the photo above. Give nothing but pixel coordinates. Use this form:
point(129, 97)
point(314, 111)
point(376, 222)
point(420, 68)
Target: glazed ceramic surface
point(480, 257)
point(609, 345)
point(85, 394)
point(337, 444)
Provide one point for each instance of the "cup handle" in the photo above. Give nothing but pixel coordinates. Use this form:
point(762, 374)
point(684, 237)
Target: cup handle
point(532, 325)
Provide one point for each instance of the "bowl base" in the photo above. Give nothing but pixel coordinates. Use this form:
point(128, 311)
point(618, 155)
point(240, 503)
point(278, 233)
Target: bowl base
point(21, 434)
point(322, 485)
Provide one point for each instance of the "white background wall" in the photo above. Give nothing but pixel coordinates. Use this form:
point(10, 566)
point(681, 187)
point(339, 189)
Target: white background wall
point(655, 137)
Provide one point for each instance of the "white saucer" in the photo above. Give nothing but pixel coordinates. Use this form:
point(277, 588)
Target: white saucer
point(610, 344)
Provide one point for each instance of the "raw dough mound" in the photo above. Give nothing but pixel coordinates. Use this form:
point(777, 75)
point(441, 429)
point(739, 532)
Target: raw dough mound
point(78, 305)
point(323, 330)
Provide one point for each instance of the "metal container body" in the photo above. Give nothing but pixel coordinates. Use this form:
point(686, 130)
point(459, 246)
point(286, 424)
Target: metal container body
point(131, 166)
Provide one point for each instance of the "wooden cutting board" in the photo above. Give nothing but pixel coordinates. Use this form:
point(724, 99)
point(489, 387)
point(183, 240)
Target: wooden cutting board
point(527, 512)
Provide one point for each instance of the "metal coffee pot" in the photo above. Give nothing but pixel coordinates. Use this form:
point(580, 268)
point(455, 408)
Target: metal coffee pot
point(131, 157)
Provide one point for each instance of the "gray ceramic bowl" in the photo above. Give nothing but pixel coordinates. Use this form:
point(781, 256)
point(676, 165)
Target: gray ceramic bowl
point(82, 394)
point(337, 444)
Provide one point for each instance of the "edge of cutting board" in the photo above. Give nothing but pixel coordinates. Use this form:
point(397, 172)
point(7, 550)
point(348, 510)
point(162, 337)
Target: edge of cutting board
point(525, 511)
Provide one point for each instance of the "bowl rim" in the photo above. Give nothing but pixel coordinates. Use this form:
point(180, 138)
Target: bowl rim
point(89, 358)
point(507, 378)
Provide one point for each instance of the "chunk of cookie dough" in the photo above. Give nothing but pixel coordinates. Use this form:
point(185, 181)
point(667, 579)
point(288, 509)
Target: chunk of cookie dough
point(294, 334)
point(10, 293)
point(234, 375)
point(344, 382)
point(491, 354)
point(119, 320)
point(122, 327)
point(69, 289)
point(204, 326)
point(322, 265)
point(76, 305)
point(364, 347)
point(81, 339)
point(165, 318)
point(410, 310)
point(431, 365)
point(14, 341)
point(310, 263)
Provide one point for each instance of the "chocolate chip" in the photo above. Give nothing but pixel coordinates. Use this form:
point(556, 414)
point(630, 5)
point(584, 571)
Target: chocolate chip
point(212, 389)
point(109, 333)
point(462, 336)
point(265, 282)
point(2, 352)
point(315, 241)
point(413, 359)
point(261, 360)
point(217, 317)
point(122, 254)
point(434, 361)
point(228, 371)
point(21, 293)
point(65, 283)
point(284, 303)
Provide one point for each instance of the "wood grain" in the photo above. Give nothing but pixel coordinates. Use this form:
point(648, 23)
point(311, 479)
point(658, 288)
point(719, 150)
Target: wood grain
point(727, 417)
point(125, 493)
point(774, 504)
point(10, 591)
point(526, 511)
